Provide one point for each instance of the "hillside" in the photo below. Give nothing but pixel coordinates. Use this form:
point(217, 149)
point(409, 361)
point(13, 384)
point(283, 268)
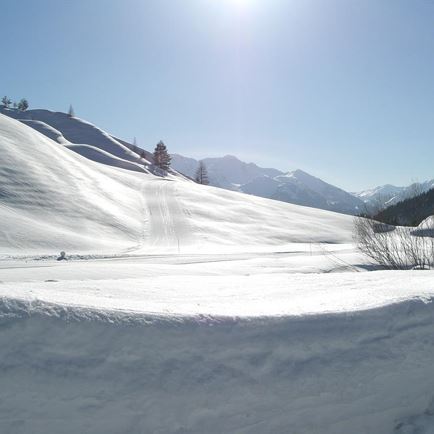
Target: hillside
point(409, 212)
point(52, 198)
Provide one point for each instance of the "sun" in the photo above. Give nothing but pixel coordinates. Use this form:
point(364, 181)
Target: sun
point(240, 3)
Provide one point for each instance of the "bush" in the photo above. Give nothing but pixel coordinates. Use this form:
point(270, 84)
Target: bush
point(396, 247)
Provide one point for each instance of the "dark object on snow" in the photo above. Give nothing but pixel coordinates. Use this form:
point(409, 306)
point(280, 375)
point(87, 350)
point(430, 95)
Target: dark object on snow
point(62, 257)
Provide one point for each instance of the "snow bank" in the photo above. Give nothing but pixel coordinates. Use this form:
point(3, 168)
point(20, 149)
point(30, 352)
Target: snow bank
point(70, 370)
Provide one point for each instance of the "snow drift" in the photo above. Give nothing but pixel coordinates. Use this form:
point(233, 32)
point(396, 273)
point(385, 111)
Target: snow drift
point(76, 370)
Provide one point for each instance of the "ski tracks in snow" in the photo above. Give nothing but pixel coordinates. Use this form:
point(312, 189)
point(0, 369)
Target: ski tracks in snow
point(168, 225)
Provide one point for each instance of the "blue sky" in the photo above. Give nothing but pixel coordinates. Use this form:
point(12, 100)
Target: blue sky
point(343, 89)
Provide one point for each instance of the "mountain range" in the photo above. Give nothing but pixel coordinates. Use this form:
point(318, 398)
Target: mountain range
point(296, 186)
point(388, 195)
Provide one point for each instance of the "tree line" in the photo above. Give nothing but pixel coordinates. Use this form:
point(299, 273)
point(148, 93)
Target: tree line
point(22, 104)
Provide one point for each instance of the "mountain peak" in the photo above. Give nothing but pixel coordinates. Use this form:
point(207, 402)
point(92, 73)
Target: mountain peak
point(231, 157)
point(299, 172)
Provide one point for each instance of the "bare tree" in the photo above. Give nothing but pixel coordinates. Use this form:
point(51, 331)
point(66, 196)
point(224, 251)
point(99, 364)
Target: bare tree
point(202, 174)
point(71, 112)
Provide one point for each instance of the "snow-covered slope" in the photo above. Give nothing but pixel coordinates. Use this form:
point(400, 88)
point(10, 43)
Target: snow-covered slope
point(249, 338)
point(76, 130)
point(52, 198)
point(103, 157)
point(296, 187)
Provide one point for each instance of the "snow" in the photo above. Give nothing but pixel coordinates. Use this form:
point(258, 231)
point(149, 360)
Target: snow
point(116, 210)
point(100, 156)
point(76, 130)
point(241, 287)
point(75, 369)
point(189, 309)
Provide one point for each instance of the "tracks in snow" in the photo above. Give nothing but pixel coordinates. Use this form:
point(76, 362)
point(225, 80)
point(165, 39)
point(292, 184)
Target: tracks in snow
point(168, 225)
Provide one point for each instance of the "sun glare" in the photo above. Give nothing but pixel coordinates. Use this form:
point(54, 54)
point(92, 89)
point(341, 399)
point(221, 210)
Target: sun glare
point(241, 4)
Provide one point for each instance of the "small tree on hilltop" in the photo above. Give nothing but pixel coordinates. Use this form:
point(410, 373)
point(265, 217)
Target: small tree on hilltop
point(6, 101)
point(71, 112)
point(202, 174)
point(161, 156)
point(23, 105)
point(136, 148)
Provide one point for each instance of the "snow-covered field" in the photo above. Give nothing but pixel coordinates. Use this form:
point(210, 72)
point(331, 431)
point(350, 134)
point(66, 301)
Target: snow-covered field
point(190, 309)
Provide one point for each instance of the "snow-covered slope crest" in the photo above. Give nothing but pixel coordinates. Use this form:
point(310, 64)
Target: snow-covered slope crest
point(70, 370)
point(75, 130)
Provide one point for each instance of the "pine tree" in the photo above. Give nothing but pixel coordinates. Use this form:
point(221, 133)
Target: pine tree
point(202, 174)
point(136, 149)
point(23, 105)
point(161, 156)
point(71, 112)
point(6, 101)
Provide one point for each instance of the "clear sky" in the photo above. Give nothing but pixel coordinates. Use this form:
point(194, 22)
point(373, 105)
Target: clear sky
point(343, 89)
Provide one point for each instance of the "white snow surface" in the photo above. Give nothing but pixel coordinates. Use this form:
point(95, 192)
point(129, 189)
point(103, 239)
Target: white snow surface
point(185, 352)
point(190, 309)
point(53, 199)
point(75, 130)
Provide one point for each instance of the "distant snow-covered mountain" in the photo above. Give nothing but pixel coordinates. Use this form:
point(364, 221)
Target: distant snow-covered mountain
point(386, 195)
point(296, 187)
point(226, 172)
